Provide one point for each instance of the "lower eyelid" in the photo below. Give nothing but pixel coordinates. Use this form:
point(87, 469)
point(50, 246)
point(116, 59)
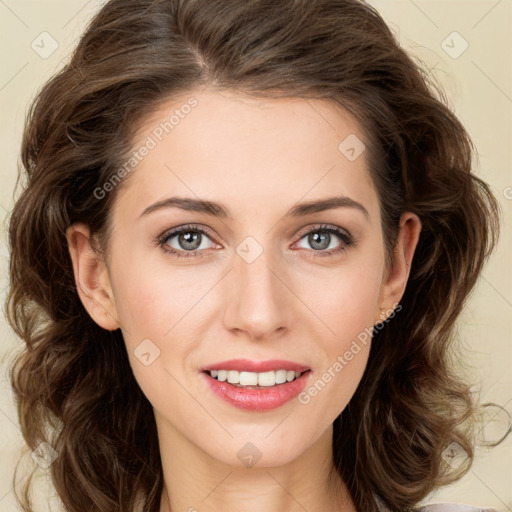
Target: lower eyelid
point(165, 245)
point(345, 238)
point(342, 246)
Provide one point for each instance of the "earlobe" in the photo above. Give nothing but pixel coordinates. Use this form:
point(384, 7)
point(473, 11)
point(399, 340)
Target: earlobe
point(395, 280)
point(91, 278)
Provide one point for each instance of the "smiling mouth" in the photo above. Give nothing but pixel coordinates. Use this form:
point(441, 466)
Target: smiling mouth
point(255, 380)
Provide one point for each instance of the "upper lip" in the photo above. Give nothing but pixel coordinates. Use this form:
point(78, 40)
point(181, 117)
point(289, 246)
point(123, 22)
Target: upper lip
point(246, 365)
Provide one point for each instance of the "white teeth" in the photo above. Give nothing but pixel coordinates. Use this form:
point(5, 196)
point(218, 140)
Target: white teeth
point(233, 377)
point(280, 376)
point(266, 379)
point(248, 379)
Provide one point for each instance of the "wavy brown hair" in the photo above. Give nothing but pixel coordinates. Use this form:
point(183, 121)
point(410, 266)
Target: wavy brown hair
point(73, 382)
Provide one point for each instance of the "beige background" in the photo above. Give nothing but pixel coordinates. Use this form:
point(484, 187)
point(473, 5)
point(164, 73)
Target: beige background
point(479, 85)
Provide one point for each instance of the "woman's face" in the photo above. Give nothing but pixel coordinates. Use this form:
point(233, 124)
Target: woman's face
point(269, 279)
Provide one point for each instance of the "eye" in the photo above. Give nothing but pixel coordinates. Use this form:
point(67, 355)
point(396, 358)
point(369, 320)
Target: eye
point(185, 241)
point(191, 240)
point(322, 239)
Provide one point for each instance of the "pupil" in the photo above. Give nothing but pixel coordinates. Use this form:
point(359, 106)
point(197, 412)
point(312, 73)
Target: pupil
point(189, 240)
point(316, 244)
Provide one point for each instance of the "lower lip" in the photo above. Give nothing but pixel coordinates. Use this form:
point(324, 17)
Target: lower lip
point(263, 399)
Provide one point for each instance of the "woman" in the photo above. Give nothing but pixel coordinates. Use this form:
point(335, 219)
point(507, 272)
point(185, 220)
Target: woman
point(247, 232)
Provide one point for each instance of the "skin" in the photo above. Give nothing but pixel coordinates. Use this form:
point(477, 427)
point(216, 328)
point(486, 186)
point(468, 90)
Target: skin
point(258, 158)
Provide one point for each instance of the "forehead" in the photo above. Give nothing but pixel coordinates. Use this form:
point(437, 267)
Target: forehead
point(251, 152)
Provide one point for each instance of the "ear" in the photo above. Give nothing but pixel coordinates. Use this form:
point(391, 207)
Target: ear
point(397, 273)
point(91, 278)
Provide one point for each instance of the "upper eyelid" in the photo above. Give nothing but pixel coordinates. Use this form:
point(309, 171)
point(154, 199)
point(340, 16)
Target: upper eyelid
point(203, 229)
point(179, 229)
point(323, 227)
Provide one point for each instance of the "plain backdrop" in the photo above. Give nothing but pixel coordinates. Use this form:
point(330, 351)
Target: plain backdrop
point(466, 44)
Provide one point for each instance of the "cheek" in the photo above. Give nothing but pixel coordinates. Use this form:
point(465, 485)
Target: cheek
point(154, 302)
point(347, 308)
point(160, 312)
point(155, 312)
point(346, 299)
point(160, 303)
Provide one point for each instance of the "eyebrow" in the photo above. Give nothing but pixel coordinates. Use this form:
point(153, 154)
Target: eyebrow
point(218, 210)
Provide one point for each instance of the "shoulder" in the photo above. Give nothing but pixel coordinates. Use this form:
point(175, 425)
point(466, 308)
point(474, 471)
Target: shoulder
point(439, 507)
point(452, 507)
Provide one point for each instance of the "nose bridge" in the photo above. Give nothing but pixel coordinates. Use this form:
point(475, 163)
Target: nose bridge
point(258, 302)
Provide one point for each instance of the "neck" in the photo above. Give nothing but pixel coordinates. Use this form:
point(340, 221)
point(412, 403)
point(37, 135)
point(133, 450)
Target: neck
point(196, 482)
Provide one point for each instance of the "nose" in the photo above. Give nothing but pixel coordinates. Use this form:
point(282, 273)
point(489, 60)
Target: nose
point(259, 302)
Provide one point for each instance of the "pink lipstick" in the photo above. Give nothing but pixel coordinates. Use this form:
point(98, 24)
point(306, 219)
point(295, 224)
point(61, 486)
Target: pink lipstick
point(256, 385)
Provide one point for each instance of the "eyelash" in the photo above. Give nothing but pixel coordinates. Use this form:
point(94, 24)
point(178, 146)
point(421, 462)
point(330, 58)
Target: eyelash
point(346, 238)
